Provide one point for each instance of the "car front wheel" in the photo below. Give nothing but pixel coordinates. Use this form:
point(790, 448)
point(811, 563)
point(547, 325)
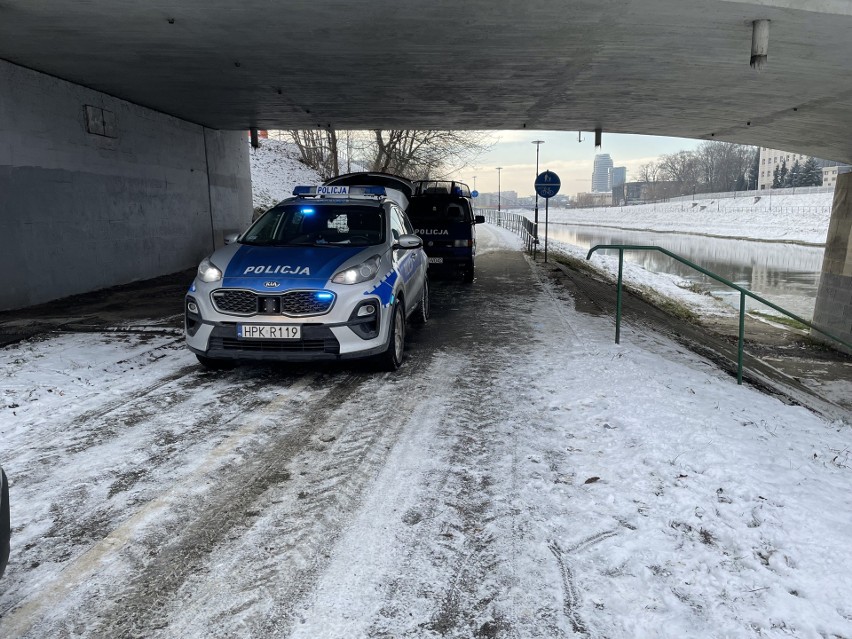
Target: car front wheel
point(391, 359)
point(421, 315)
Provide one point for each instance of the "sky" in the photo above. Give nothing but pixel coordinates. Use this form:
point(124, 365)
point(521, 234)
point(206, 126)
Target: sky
point(561, 153)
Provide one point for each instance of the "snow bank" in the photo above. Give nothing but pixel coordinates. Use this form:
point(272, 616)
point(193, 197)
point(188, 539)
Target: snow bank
point(793, 218)
point(275, 170)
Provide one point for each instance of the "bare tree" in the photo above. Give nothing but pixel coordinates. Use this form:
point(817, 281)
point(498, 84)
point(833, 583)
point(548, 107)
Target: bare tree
point(425, 154)
point(649, 173)
point(681, 168)
point(721, 165)
point(318, 148)
point(410, 153)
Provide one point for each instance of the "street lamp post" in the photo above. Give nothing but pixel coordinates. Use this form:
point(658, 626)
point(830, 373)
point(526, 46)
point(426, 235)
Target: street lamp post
point(538, 144)
point(499, 194)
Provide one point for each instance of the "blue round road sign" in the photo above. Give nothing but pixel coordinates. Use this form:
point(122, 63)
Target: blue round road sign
point(474, 194)
point(547, 184)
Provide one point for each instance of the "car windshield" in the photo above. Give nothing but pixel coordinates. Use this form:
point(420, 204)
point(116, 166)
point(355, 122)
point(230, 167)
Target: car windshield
point(318, 224)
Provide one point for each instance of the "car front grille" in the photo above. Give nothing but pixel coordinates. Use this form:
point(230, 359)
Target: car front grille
point(304, 303)
point(316, 339)
point(274, 346)
point(236, 302)
point(291, 303)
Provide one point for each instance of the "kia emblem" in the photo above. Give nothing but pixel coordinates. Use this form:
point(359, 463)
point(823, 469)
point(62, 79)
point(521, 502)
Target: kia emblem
point(271, 284)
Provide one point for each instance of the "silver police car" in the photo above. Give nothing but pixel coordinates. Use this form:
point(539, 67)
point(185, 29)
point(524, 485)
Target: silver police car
point(332, 273)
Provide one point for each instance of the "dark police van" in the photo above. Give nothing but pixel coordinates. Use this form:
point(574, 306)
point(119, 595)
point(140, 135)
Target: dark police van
point(442, 214)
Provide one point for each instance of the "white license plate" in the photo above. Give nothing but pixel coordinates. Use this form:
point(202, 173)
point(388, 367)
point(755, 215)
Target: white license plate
point(267, 331)
point(436, 260)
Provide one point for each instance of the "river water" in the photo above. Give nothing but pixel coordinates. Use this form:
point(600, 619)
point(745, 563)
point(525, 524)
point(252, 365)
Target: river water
point(785, 274)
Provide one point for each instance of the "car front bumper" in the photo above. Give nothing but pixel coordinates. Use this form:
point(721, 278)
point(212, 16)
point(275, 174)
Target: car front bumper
point(334, 335)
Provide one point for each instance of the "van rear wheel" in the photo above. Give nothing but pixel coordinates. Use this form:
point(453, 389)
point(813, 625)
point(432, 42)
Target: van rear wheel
point(468, 272)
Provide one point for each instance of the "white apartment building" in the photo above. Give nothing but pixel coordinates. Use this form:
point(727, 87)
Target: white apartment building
point(830, 173)
point(771, 158)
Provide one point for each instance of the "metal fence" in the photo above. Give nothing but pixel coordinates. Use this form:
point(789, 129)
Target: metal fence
point(524, 227)
point(800, 190)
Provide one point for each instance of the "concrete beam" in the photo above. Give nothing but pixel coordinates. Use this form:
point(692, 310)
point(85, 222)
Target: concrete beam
point(657, 67)
point(835, 7)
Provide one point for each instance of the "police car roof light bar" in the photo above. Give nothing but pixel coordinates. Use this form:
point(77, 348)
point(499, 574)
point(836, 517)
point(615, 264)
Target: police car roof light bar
point(339, 191)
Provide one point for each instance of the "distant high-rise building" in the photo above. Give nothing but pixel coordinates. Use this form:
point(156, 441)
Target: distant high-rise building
point(619, 175)
point(601, 175)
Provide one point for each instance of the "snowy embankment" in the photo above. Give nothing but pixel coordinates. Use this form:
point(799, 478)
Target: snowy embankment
point(782, 218)
point(275, 170)
point(799, 218)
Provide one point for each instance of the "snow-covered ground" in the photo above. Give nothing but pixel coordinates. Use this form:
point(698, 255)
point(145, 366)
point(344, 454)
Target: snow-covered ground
point(521, 476)
point(791, 218)
point(275, 170)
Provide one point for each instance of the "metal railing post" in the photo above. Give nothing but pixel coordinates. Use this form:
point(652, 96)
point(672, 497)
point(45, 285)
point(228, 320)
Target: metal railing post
point(618, 298)
point(740, 343)
point(743, 293)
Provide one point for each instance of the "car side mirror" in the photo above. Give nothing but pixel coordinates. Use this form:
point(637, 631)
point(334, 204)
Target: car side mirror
point(230, 238)
point(408, 242)
point(479, 219)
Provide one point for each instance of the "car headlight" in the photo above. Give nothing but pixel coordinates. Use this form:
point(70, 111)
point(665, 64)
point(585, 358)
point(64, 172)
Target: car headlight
point(363, 272)
point(207, 271)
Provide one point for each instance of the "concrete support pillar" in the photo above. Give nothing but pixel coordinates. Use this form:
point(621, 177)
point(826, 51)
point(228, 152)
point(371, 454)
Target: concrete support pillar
point(833, 310)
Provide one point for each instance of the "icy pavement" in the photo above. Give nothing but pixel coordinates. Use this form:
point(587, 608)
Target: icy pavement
point(521, 476)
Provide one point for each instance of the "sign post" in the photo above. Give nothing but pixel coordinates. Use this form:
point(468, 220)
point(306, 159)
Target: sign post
point(547, 185)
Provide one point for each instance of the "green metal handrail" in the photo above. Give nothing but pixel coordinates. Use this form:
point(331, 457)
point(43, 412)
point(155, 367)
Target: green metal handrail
point(743, 292)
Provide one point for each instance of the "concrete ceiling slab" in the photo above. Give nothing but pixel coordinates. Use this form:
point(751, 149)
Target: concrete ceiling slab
point(660, 67)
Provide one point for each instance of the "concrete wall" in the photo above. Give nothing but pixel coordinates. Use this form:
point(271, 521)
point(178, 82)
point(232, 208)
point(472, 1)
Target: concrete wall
point(833, 310)
point(82, 210)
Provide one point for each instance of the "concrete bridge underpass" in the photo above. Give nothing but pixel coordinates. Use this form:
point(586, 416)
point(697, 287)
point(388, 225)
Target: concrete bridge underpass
point(122, 125)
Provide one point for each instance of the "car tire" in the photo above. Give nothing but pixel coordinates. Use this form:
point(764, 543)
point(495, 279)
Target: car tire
point(391, 358)
point(212, 364)
point(468, 273)
point(5, 524)
point(421, 315)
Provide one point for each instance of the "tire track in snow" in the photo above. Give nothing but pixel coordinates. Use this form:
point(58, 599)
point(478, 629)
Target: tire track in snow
point(570, 590)
point(83, 511)
point(463, 526)
point(80, 581)
point(339, 440)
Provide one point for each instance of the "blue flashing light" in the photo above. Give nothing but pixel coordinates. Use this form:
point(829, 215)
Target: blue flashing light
point(324, 296)
point(375, 190)
point(306, 211)
point(302, 190)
